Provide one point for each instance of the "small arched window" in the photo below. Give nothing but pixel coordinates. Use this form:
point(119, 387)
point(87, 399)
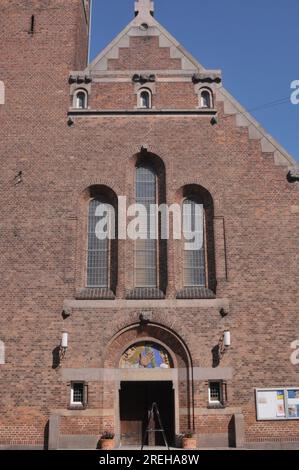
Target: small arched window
point(81, 99)
point(100, 233)
point(194, 244)
point(206, 100)
point(145, 99)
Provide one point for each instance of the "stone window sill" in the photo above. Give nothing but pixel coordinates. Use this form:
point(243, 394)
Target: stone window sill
point(95, 293)
point(195, 293)
point(216, 406)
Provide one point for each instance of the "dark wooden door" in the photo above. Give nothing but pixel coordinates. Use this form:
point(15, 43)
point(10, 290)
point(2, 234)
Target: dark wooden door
point(136, 399)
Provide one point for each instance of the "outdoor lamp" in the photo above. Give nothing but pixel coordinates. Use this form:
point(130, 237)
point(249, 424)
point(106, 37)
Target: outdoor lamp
point(63, 345)
point(226, 339)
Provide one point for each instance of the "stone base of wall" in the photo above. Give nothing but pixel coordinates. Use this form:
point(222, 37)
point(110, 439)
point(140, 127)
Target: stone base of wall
point(21, 447)
point(272, 445)
point(213, 440)
point(78, 442)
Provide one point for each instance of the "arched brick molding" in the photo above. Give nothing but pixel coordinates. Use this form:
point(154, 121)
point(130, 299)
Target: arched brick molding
point(2, 352)
point(2, 92)
point(203, 196)
point(105, 192)
point(182, 373)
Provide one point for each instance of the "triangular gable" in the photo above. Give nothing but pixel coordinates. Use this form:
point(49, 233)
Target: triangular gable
point(182, 60)
point(144, 25)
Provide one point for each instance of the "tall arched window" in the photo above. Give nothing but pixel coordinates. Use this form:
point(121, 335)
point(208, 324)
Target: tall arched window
point(146, 248)
point(194, 244)
point(81, 99)
point(99, 243)
point(206, 100)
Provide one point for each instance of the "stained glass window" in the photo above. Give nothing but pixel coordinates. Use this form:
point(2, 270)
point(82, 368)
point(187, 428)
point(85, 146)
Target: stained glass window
point(146, 355)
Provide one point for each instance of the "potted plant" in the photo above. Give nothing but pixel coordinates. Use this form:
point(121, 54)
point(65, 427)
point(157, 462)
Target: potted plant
point(189, 440)
point(107, 441)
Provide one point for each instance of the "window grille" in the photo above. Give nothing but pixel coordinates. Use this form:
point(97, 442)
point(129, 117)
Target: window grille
point(77, 393)
point(215, 393)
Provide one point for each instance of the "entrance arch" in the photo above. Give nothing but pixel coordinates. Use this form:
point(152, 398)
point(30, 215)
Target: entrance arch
point(150, 360)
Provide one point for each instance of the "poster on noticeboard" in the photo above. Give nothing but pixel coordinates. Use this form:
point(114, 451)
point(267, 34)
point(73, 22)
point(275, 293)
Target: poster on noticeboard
point(277, 404)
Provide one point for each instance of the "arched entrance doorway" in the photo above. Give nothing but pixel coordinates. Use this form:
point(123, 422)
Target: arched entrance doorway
point(153, 366)
point(136, 398)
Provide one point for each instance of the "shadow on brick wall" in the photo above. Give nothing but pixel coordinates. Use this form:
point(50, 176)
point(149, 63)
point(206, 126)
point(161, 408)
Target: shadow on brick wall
point(46, 436)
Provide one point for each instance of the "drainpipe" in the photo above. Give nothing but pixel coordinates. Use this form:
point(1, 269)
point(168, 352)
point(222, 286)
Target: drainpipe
point(89, 39)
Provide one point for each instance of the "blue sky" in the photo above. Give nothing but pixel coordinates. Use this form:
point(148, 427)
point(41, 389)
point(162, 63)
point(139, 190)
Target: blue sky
point(254, 42)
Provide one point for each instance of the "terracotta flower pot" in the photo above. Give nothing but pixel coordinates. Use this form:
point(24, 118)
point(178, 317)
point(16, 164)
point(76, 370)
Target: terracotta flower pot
point(107, 444)
point(189, 443)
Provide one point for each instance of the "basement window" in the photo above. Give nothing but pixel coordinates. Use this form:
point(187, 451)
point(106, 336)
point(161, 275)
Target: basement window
point(217, 394)
point(78, 395)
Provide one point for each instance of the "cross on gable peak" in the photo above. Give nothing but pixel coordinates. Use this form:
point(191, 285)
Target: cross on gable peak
point(144, 7)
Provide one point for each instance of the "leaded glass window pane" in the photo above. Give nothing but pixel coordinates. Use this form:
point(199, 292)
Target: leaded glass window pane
point(146, 249)
point(194, 259)
point(98, 245)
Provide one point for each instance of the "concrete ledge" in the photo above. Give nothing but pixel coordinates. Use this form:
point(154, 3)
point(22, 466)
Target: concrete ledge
point(142, 112)
point(95, 375)
point(85, 413)
point(135, 304)
point(210, 412)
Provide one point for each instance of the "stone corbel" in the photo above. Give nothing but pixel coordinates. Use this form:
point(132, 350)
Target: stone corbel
point(79, 79)
point(293, 174)
point(143, 78)
point(205, 77)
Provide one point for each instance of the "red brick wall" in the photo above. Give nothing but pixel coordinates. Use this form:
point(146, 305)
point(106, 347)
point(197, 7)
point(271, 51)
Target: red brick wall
point(84, 425)
point(144, 53)
point(120, 95)
point(41, 236)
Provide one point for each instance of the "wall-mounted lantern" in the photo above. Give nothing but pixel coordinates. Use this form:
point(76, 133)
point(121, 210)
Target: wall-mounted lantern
point(63, 344)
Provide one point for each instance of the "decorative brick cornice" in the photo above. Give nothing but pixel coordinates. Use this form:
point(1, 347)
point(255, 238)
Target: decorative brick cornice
point(207, 77)
point(79, 79)
point(143, 78)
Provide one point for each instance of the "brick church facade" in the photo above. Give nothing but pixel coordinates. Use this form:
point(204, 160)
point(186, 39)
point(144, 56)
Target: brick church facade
point(208, 335)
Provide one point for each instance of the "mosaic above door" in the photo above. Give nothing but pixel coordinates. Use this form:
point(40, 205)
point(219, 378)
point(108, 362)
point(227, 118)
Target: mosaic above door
point(146, 355)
